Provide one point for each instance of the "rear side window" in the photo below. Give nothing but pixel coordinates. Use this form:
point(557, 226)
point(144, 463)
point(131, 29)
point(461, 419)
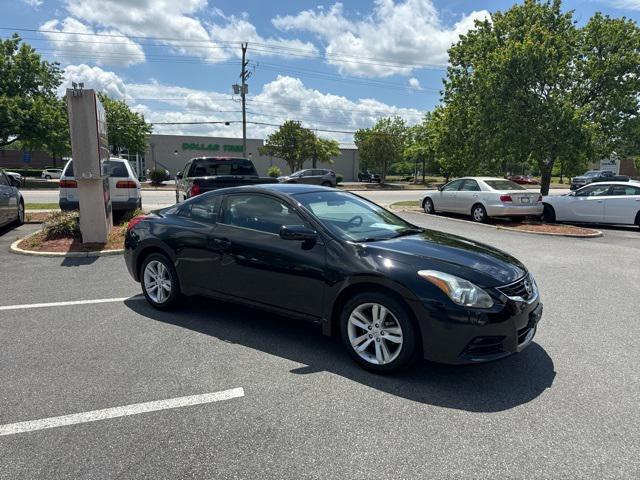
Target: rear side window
point(3, 180)
point(618, 190)
point(68, 171)
point(208, 167)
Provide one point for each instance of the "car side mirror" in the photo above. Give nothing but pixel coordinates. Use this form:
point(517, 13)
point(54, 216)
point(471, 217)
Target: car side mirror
point(299, 233)
point(439, 188)
point(179, 176)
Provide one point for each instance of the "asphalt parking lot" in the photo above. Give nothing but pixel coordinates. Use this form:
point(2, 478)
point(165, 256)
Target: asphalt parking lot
point(566, 407)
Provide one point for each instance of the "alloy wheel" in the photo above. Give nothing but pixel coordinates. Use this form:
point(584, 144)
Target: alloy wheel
point(478, 214)
point(428, 206)
point(20, 213)
point(374, 333)
point(157, 281)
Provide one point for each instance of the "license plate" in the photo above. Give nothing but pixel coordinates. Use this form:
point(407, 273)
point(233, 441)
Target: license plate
point(525, 200)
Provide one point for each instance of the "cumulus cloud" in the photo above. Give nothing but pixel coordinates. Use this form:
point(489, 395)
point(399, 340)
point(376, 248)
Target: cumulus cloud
point(393, 39)
point(285, 98)
point(33, 3)
point(414, 84)
point(76, 40)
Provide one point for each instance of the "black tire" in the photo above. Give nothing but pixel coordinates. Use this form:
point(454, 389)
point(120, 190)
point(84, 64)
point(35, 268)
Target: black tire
point(174, 295)
point(548, 214)
point(20, 220)
point(479, 213)
point(517, 219)
point(140, 204)
point(428, 206)
point(407, 352)
point(638, 219)
point(326, 184)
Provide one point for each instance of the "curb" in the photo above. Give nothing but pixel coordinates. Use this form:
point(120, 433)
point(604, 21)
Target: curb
point(100, 253)
point(595, 234)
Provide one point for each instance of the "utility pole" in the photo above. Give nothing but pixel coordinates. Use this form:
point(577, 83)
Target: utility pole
point(244, 75)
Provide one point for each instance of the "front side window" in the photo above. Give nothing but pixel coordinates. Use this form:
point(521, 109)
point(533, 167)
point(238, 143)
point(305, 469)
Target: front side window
point(259, 212)
point(593, 191)
point(203, 209)
point(470, 186)
point(452, 186)
point(353, 218)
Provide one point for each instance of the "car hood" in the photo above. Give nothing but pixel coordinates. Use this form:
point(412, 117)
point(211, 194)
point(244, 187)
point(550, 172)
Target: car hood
point(481, 264)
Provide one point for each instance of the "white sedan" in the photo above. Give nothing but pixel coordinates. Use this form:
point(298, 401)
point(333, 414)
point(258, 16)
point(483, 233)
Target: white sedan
point(610, 202)
point(484, 197)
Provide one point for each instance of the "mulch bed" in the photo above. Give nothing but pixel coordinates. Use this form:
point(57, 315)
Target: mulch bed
point(39, 243)
point(36, 217)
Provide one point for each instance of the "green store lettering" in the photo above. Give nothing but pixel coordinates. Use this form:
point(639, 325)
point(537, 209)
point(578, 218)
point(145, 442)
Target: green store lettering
point(211, 147)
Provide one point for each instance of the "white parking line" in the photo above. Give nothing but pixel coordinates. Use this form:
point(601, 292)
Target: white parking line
point(65, 304)
point(115, 412)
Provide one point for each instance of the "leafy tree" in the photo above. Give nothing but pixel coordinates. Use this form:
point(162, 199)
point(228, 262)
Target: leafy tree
point(127, 130)
point(423, 143)
point(27, 94)
point(295, 144)
point(529, 84)
point(382, 145)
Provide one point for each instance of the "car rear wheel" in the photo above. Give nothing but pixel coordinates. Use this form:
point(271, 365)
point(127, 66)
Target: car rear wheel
point(479, 214)
point(548, 214)
point(326, 184)
point(160, 281)
point(20, 219)
point(428, 206)
point(378, 332)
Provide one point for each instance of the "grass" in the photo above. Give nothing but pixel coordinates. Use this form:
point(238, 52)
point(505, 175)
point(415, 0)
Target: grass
point(42, 206)
point(407, 203)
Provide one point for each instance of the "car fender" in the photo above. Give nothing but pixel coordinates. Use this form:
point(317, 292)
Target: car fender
point(146, 245)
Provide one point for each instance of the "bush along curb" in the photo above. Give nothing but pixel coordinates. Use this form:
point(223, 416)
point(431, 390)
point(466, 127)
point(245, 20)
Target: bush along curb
point(98, 253)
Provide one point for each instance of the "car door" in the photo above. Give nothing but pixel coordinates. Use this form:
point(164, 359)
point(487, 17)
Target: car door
point(5, 199)
point(259, 266)
point(306, 176)
point(467, 195)
point(622, 204)
point(587, 205)
point(445, 199)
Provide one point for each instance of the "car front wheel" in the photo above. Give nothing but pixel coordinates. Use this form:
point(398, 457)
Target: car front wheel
point(378, 332)
point(428, 206)
point(20, 219)
point(160, 281)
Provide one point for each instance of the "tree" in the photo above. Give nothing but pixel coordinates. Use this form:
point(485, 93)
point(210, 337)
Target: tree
point(529, 84)
point(27, 94)
point(127, 130)
point(382, 145)
point(423, 143)
point(295, 144)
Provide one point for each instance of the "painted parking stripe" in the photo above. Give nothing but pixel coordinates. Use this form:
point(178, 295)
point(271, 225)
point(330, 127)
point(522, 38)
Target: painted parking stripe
point(66, 304)
point(115, 412)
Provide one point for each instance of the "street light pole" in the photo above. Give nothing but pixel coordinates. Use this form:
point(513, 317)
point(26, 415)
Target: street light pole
point(243, 93)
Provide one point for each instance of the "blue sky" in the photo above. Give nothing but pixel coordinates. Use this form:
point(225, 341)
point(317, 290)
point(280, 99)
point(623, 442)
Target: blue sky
point(334, 66)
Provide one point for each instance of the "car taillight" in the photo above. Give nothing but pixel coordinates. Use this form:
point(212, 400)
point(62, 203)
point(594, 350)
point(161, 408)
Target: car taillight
point(506, 198)
point(134, 221)
point(126, 184)
point(195, 190)
point(68, 184)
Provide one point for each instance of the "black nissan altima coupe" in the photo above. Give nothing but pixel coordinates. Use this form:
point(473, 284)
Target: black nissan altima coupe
point(392, 291)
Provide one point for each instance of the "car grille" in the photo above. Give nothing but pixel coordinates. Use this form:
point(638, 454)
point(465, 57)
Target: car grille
point(524, 335)
point(484, 346)
point(519, 288)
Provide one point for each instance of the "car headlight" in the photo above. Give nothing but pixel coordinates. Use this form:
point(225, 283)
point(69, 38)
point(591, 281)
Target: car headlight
point(459, 290)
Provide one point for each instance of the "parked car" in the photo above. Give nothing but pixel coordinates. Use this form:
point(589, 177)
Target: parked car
point(484, 197)
point(205, 174)
point(611, 202)
point(17, 177)
point(50, 173)
point(391, 290)
point(311, 176)
point(368, 176)
point(11, 201)
point(124, 187)
point(523, 179)
point(596, 176)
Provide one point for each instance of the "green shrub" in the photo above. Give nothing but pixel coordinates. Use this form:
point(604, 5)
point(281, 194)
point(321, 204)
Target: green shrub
point(274, 172)
point(129, 214)
point(157, 176)
point(62, 224)
point(339, 178)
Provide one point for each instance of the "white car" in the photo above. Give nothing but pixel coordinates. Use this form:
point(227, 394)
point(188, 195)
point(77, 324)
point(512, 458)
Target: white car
point(605, 202)
point(49, 173)
point(124, 187)
point(484, 197)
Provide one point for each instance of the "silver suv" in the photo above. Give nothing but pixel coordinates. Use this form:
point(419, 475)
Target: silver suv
point(312, 176)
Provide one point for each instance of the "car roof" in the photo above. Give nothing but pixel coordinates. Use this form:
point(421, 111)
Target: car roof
point(278, 188)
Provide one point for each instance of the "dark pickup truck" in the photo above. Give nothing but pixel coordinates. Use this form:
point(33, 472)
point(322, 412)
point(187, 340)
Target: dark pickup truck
point(204, 174)
point(596, 176)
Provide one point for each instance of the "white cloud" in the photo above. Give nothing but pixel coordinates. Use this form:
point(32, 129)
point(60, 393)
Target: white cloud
point(95, 78)
point(77, 41)
point(414, 84)
point(626, 4)
point(285, 98)
point(408, 32)
point(33, 3)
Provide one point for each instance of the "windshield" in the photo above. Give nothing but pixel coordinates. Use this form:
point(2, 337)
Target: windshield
point(504, 185)
point(591, 174)
point(210, 167)
point(353, 218)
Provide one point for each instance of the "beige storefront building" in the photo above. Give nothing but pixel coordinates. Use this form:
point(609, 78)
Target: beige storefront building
point(172, 152)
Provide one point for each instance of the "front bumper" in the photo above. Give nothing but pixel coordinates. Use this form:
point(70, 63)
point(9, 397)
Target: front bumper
point(455, 335)
point(514, 210)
